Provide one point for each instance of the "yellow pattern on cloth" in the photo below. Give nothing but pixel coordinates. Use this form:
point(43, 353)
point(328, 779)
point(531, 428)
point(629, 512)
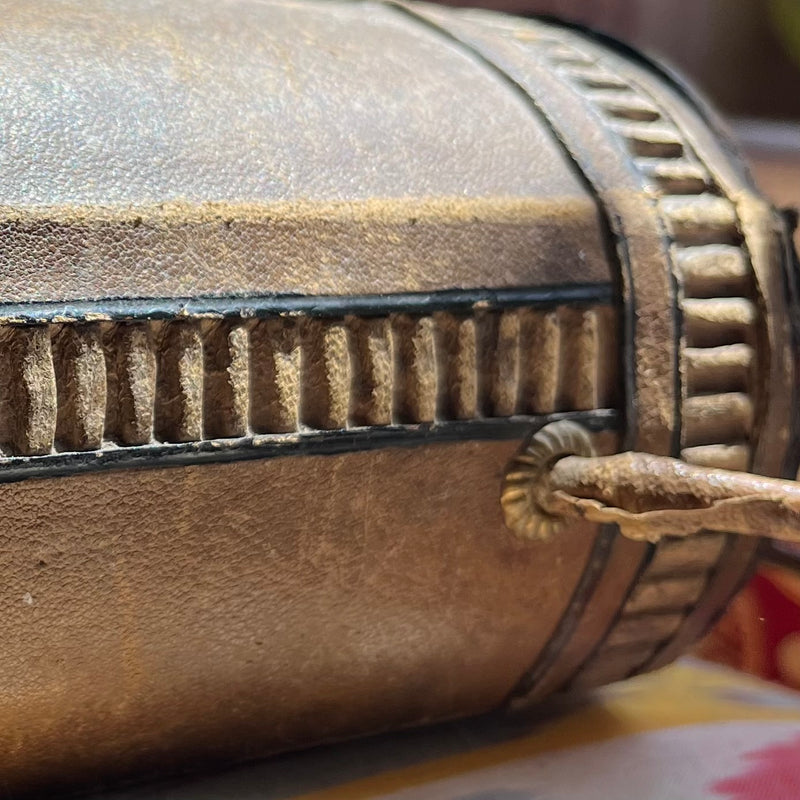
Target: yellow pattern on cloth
point(693, 731)
point(685, 694)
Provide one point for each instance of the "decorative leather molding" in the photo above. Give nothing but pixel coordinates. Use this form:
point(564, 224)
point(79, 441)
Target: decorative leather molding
point(714, 275)
point(718, 357)
point(262, 371)
point(669, 221)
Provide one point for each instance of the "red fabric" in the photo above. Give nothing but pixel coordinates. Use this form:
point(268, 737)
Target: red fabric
point(774, 773)
point(760, 634)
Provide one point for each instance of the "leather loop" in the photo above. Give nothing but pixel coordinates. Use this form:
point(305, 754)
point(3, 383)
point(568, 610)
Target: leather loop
point(647, 496)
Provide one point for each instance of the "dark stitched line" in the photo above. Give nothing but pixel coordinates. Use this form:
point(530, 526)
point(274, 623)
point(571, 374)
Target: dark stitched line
point(17, 468)
point(732, 542)
point(595, 566)
point(370, 305)
point(617, 253)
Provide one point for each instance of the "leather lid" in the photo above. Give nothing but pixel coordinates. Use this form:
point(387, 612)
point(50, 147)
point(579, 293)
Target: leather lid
point(321, 148)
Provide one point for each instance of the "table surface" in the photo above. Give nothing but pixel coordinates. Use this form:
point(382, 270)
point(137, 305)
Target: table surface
point(692, 730)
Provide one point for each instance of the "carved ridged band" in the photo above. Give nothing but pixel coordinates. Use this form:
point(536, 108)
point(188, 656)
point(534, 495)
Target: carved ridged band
point(690, 324)
point(72, 384)
point(720, 321)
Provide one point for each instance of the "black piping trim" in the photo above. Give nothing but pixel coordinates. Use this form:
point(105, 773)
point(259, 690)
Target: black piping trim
point(647, 558)
point(571, 617)
point(17, 468)
point(677, 322)
point(368, 305)
point(618, 255)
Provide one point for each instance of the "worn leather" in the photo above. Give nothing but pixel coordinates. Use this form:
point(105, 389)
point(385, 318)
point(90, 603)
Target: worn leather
point(163, 616)
point(176, 149)
point(157, 619)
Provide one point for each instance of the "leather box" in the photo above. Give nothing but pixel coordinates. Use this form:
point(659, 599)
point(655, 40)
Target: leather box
point(284, 288)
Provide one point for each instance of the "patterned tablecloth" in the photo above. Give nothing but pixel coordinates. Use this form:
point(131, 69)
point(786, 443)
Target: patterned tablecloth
point(692, 731)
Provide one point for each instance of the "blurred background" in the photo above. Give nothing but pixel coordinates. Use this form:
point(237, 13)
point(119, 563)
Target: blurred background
point(744, 55)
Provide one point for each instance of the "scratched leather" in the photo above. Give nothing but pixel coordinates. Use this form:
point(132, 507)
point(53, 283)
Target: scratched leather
point(194, 615)
point(165, 617)
point(182, 148)
point(216, 612)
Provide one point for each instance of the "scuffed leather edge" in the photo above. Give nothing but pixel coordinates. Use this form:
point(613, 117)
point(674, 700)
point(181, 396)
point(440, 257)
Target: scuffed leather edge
point(700, 228)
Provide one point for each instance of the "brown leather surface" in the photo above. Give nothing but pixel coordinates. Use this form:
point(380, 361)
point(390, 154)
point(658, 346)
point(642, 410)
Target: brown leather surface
point(171, 616)
point(355, 247)
point(236, 609)
point(630, 212)
point(184, 148)
point(602, 607)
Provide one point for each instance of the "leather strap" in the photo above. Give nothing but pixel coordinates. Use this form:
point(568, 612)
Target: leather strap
point(558, 477)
